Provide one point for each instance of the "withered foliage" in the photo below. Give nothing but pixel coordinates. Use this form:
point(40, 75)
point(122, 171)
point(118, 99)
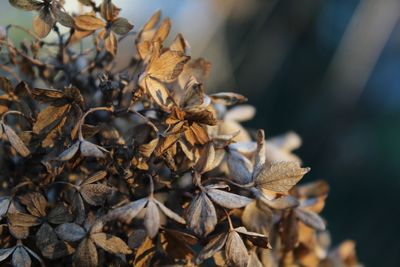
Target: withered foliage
point(103, 164)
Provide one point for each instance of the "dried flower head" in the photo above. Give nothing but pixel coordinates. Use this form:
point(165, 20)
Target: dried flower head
point(139, 166)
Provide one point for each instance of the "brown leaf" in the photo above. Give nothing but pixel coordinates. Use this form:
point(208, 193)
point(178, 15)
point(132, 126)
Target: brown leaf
point(235, 250)
point(15, 141)
point(35, 203)
point(108, 10)
point(95, 194)
point(86, 254)
point(49, 115)
point(280, 177)
point(145, 253)
point(121, 26)
point(47, 95)
point(207, 160)
point(88, 23)
point(100, 175)
point(19, 232)
point(6, 85)
point(201, 215)
point(28, 5)
point(110, 243)
point(152, 219)
point(43, 22)
point(23, 219)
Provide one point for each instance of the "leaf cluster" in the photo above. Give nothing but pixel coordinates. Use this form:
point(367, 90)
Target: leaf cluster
point(134, 164)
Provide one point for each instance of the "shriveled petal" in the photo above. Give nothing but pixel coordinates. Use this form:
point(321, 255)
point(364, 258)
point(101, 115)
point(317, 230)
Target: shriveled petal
point(110, 243)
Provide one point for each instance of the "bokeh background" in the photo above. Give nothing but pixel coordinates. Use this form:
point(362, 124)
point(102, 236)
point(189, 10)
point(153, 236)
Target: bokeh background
point(328, 70)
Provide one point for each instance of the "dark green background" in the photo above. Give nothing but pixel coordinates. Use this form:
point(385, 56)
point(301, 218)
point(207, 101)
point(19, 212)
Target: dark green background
point(355, 147)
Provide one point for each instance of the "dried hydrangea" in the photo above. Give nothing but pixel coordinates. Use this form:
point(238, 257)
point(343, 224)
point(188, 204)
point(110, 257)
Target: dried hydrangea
point(138, 165)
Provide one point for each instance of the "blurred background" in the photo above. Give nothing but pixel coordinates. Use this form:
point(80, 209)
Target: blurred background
point(328, 70)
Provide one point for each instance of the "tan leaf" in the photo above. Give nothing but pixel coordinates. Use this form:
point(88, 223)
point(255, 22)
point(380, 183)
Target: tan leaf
point(108, 10)
point(158, 92)
point(207, 160)
point(15, 141)
point(163, 31)
point(28, 5)
point(280, 177)
point(167, 66)
point(48, 116)
point(47, 95)
point(111, 43)
point(152, 22)
point(88, 23)
point(100, 175)
point(35, 203)
point(200, 133)
point(180, 45)
point(23, 219)
point(110, 243)
point(43, 22)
